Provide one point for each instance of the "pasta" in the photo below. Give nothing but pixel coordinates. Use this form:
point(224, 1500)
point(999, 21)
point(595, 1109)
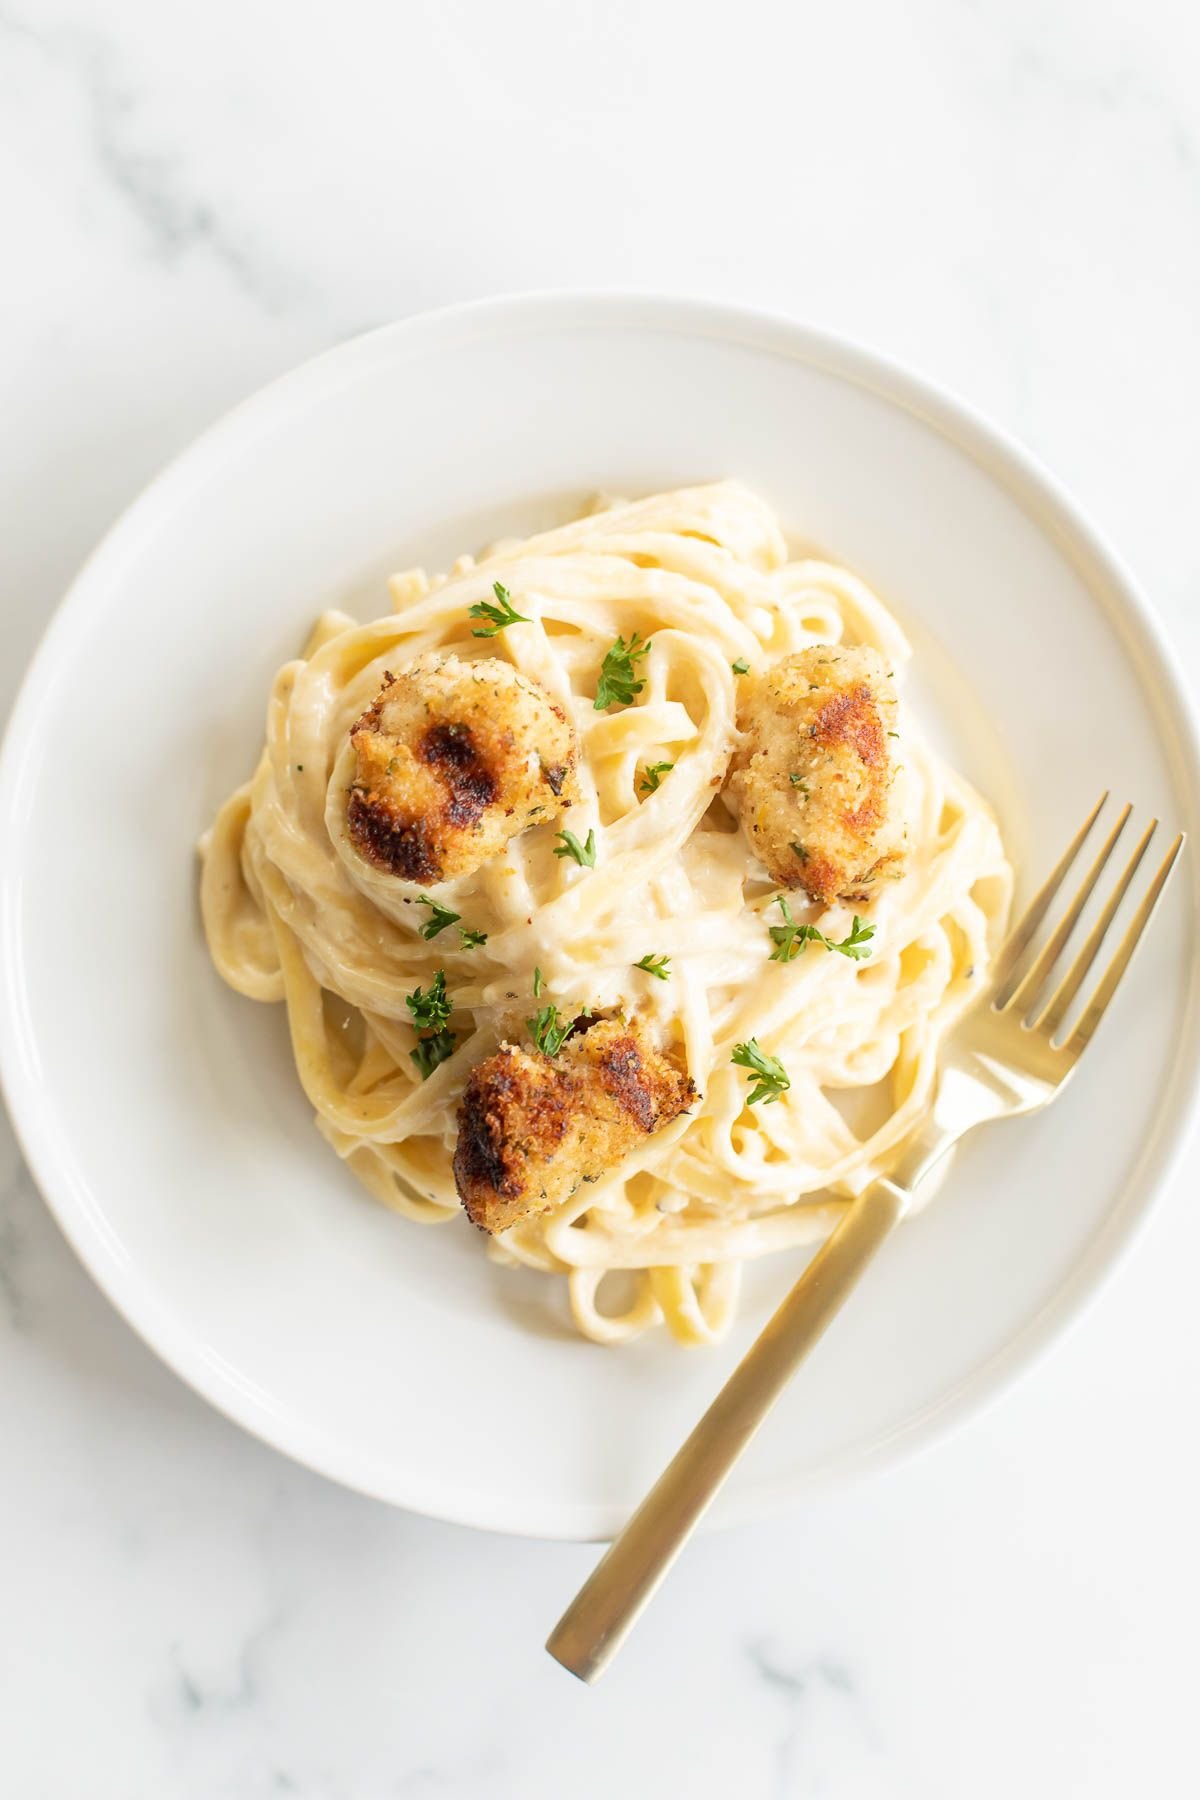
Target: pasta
point(294, 913)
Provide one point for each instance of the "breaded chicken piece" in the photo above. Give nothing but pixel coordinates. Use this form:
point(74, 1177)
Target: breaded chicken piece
point(532, 1127)
point(451, 760)
point(813, 777)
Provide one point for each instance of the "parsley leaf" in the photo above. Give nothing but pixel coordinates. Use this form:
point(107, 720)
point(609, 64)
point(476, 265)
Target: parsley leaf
point(798, 781)
point(433, 1051)
point(854, 946)
point(471, 940)
point(618, 682)
point(584, 854)
point(500, 616)
point(430, 1010)
point(548, 1030)
point(771, 1079)
point(741, 666)
point(439, 918)
point(655, 965)
point(653, 775)
point(791, 939)
point(539, 982)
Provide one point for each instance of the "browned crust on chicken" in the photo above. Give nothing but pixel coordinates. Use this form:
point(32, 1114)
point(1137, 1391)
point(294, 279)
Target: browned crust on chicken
point(451, 760)
point(813, 778)
point(532, 1127)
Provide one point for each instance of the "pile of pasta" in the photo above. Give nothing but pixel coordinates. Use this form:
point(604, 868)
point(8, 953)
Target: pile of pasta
point(292, 914)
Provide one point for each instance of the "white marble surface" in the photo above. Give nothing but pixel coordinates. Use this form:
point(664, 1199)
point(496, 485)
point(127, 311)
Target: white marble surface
point(1005, 194)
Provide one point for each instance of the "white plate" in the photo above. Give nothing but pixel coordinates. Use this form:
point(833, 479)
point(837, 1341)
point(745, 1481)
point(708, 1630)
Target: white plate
point(161, 1113)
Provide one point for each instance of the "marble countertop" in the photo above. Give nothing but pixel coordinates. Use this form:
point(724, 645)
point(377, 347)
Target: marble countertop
point(1005, 195)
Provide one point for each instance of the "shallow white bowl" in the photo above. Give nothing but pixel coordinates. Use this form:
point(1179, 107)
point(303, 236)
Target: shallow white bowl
point(161, 1113)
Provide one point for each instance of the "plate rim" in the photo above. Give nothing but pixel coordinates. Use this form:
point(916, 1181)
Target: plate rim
point(1006, 461)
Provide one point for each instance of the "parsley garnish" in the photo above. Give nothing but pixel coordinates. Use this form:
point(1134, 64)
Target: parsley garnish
point(653, 775)
point(471, 940)
point(770, 1077)
point(584, 854)
point(430, 1010)
point(432, 1051)
point(439, 918)
point(790, 939)
point(655, 965)
point(798, 781)
point(855, 945)
point(618, 683)
point(548, 1030)
point(539, 982)
point(500, 616)
point(801, 852)
point(741, 666)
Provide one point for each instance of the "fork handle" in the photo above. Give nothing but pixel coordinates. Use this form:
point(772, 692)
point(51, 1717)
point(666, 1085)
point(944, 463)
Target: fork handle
point(595, 1624)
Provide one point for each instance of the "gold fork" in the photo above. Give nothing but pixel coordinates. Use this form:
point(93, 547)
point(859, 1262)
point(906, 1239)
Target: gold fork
point(1003, 1059)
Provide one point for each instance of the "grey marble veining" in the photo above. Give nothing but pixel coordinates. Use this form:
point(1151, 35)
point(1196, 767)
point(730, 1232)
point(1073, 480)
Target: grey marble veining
point(814, 1697)
point(149, 177)
point(1006, 196)
point(15, 1200)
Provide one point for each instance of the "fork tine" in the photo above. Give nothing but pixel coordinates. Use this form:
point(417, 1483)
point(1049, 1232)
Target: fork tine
point(1055, 1009)
point(1093, 1012)
point(1019, 936)
point(1030, 986)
